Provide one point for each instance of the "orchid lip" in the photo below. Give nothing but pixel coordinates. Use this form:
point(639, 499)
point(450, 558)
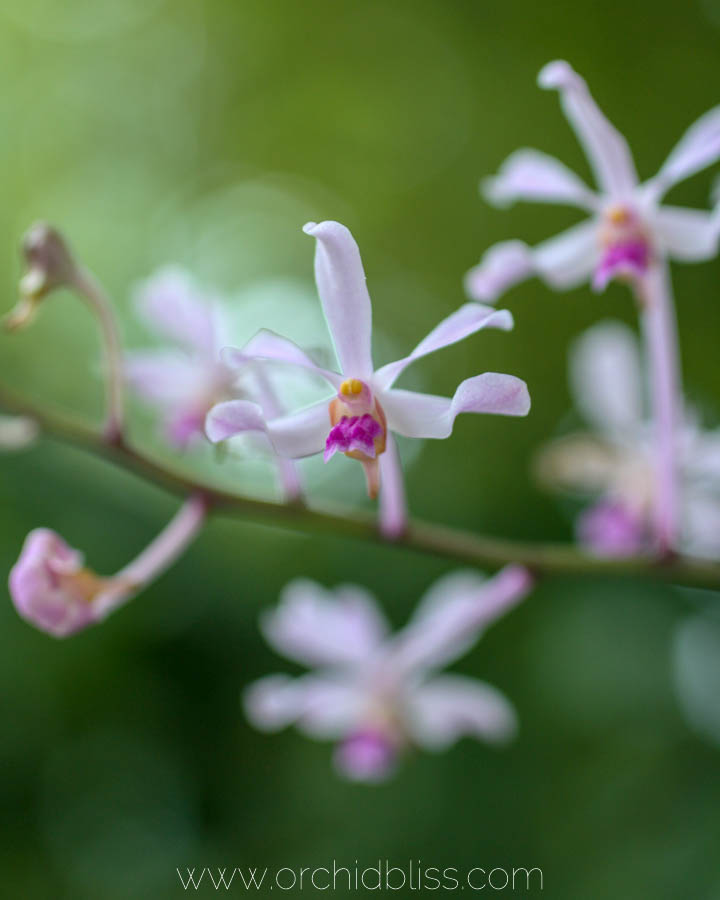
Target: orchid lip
point(625, 259)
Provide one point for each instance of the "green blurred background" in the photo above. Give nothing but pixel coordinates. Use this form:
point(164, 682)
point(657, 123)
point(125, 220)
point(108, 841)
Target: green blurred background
point(206, 132)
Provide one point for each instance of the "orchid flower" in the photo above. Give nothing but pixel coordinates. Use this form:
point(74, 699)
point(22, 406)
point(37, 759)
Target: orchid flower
point(375, 694)
point(613, 462)
point(366, 409)
point(53, 590)
point(185, 379)
point(628, 229)
point(629, 236)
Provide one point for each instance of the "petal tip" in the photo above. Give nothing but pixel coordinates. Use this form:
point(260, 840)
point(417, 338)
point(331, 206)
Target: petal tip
point(556, 75)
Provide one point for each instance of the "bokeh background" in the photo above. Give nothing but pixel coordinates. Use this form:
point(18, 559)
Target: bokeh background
point(206, 132)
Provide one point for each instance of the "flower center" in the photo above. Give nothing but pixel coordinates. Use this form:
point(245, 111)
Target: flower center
point(358, 428)
point(366, 755)
point(625, 246)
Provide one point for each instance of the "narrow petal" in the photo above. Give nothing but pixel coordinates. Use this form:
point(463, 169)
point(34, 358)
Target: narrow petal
point(393, 505)
point(226, 420)
point(453, 614)
point(606, 149)
point(173, 308)
point(698, 148)
point(294, 436)
point(569, 259)
point(321, 706)
point(316, 626)
point(579, 463)
point(536, 177)
point(450, 707)
point(343, 293)
point(503, 265)
point(463, 322)
point(165, 377)
point(606, 379)
point(429, 416)
point(270, 346)
point(690, 235)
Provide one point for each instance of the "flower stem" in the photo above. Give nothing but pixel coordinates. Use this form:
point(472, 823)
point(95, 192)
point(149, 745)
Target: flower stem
point(421, 537)
point(161, 552)
point(90, 289)
point(663, 359)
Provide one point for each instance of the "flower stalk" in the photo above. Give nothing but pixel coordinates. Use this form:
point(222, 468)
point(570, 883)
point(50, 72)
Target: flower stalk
point(89, 288)
point(659, 326)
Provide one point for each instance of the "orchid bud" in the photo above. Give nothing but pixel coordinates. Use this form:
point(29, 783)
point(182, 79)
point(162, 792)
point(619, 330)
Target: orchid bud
point(52, 589)
point(50, 265)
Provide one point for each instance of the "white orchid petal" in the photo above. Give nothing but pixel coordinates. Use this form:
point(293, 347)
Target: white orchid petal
point(606, 149)
point(321, 706)
point(316, 626)
point(463, 322)
point(429, 416)
point(503, 265)
point(606, 379)
point(168, 377)
point(343, 293)
point(536, 177)
point(690, 235)
point(450, 707)
point(171, 305)
point(293, 436)
point(569, 258)
point(453, 613)
point(266, 345)
point(698, 148)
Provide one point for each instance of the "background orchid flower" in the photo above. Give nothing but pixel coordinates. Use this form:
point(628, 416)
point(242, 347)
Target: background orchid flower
point(628, 236)
point(53, 590)
point(613, 462)
point(375, 694)
point(185, 379)
point(628, 228)
point(366, 409)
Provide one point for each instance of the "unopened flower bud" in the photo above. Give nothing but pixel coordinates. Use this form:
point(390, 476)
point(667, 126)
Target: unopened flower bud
point(50, 265)
point(52, 589)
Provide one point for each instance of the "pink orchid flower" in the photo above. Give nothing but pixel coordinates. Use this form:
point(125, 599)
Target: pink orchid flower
point(628, 228)
point(366, 409)
point(376, 694)
point(186, 378)
point(613, 462)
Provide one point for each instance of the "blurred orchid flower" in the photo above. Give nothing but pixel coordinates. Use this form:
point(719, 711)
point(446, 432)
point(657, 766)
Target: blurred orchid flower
point(17, 432)
point(375, 694)
point(53, 590)
point(628, 228)
point(360, 419)
point(614, 461)
point(187, 378)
